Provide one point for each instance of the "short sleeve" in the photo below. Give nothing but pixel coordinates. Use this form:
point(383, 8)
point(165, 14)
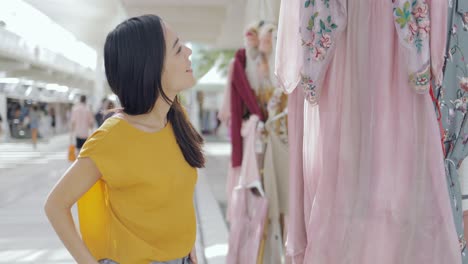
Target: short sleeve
point(92, 206)
point(96, 148)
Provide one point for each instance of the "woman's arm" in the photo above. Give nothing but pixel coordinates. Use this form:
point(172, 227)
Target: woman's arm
point(77, 180)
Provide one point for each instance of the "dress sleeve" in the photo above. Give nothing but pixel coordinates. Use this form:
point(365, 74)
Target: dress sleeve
point(321, 24)
point(288, 46)
point(413, 24)
point(439, 35)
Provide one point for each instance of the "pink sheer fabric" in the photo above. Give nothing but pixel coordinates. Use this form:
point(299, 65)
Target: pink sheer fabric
point(247, 226)
point(287, 70)
point(288, 46)
point(374, 181)
point(231, 183)
point(249, 173)
point(296, 234)
point(249, 210)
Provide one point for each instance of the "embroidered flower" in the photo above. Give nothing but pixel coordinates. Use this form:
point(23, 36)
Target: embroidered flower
point(308, 86)
point(420, 10)
point(318, 53)
point(313, 36)
point(413, 27)
point(424, 28)
point(307, 44)
point(325, 41)
point(461, 104)
point(464, 83)
point(412, 21)
point(454, 29)
point(421, 80)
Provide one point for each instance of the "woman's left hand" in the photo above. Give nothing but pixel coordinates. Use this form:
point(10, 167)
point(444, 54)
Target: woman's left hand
point(193, 255)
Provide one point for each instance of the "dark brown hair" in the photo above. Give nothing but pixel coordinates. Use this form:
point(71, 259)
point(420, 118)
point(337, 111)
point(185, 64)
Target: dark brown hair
point(134, 55)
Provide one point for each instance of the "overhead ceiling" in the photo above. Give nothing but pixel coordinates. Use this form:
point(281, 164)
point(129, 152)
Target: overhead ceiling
point(218, 23)
point(88, 20)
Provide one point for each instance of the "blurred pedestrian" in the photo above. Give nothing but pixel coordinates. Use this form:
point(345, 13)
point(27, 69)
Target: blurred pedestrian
point(53, 119)
point(82, 122)
point(99, 116)
point(34, 119)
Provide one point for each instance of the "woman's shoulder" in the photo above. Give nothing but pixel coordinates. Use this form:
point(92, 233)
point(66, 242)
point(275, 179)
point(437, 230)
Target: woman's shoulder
point(103, 139)
point(109, 129)
point(110, 124)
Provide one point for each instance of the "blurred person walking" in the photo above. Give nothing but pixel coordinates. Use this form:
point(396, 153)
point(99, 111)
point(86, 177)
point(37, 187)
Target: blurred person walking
point(53, 120)
point(99, 116)
point(82, 122)
point(134, 179)
point(34, 119)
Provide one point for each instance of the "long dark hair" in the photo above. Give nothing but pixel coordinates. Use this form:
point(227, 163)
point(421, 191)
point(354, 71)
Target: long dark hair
point(134, 55)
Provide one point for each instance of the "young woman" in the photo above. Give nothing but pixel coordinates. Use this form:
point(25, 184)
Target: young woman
point(142, 161)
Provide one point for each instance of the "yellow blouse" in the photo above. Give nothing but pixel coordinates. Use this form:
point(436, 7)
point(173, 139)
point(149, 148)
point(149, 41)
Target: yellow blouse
point(142, 208)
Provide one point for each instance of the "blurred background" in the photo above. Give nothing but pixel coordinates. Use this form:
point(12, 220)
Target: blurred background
point(51, 53)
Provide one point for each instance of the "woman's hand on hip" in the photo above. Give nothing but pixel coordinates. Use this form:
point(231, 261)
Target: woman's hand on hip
point(193, 255)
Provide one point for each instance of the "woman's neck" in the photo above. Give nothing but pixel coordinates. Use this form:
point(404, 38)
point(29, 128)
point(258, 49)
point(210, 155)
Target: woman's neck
point(156, 119)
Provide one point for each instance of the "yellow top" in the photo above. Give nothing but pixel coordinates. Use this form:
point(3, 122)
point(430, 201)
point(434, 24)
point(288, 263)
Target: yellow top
point(142, 208)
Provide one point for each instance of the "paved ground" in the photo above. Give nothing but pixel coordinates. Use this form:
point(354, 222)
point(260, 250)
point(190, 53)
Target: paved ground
point(27, 175)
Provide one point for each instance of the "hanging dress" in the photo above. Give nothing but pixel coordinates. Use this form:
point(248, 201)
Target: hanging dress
point(374, 186)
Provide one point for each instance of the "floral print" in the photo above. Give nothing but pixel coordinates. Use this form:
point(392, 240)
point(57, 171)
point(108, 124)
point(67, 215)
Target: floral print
point(420, 10)
point(413, 17)
point(318, 46)
point(464, 83)
point(465, 21)
point(421, 81)
point(453, 101)
point(321, 20)
point(309, 89)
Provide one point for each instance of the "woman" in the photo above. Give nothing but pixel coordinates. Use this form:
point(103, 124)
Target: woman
point(143, 159)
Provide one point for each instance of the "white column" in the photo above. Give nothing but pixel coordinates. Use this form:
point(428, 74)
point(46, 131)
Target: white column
point(99, 88)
